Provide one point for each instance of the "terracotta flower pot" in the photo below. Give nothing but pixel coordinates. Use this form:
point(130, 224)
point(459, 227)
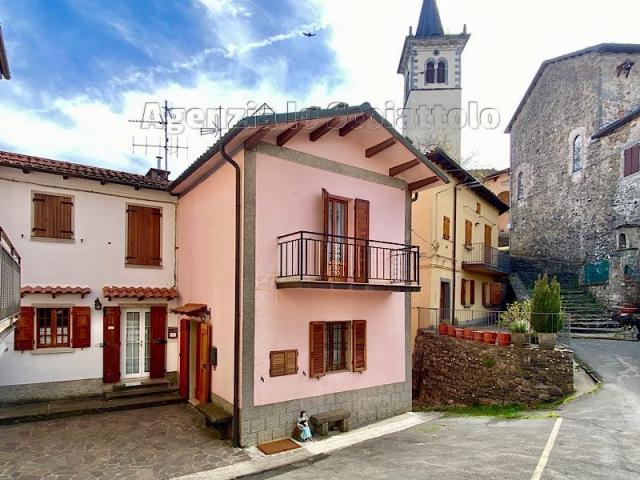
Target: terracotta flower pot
point(490, 338)
point(451, 330)
point(468, 333)
point(459, 332)
point(504, 339)
point(442, 329)
point(478, 336)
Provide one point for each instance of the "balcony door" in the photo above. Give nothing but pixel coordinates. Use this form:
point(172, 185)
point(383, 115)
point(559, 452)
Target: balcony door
point(334, 245)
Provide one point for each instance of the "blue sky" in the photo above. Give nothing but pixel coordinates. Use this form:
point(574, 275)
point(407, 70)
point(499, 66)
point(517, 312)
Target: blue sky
point(82, 68)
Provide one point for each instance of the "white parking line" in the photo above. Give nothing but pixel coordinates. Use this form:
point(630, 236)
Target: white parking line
point(544, 458)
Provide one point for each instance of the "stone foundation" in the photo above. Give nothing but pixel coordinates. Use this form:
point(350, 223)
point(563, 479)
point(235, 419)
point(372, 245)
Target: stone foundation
point(35, 392)
point(460, 372)
point(271, 422)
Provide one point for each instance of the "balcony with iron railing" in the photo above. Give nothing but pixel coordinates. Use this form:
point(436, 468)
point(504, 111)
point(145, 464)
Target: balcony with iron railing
point(9, 284)
point(318, 260)
point(483, 258)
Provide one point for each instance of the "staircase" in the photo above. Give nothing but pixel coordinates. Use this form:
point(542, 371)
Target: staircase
point(589, 319)
point(146, 393)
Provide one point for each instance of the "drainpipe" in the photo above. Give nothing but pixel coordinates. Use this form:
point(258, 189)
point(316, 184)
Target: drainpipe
point(236, 325)
point(455, 248)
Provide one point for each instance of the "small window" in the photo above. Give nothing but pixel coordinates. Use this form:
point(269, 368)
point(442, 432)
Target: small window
point(143, 236)
point(283, 362)
point(430, 72)
point(520, 186)
point(336, 346)
point(446, 228)
point(52, 217)
point(478, 208)
point(577, 153)
point(622, 241)
point(52, 327)
point(468, 233)
point(442, 71)
point(632, 160)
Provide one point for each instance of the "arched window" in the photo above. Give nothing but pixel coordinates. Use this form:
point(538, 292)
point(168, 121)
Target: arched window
point(430, 72)
point(520, 186)
point(622, 241)
point(577, 153)
point(442, 71)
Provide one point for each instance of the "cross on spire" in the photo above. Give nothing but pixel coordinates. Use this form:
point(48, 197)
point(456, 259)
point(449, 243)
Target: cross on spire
point(429, 24)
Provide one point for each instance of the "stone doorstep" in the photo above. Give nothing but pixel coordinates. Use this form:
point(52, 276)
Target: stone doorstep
point(33, 412)
point(260, 462)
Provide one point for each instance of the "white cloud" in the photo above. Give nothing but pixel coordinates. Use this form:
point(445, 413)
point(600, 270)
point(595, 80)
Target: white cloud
point(224, 7)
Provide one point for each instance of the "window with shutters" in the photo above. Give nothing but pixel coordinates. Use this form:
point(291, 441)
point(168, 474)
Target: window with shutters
point(446, 228)
point(52, 216)
point(463, 292)
point(53, 327)
point(472, 292)
point(478, 208)
point(631, 160)
point(468, 233)
point(283, 362)
point(337, 347)
point(143, 236)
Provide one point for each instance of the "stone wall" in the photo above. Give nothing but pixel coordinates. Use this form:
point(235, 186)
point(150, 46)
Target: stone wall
point(34, 392)
point(447, 370)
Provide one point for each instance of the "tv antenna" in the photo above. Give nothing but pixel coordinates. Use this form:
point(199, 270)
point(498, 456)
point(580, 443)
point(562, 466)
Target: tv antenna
point(165, 117)
point(216, 129)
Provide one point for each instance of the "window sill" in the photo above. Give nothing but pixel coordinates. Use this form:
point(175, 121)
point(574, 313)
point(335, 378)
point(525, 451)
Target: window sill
point(48, 351)
point(53, 240)
point(345, 370)
point(152, 267)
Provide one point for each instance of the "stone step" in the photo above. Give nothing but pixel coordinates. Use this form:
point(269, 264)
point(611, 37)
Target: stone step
point(598, 336)
point(149, 390)
point(595, 330)
point(145, 383)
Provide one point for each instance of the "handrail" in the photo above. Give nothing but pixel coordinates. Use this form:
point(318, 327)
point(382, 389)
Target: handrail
point(12, 250)
point(360, 239)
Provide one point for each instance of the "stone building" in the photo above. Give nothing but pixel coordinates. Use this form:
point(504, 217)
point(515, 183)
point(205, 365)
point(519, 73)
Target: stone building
point(575, 147)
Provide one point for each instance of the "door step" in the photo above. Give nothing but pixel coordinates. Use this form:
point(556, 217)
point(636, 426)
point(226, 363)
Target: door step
point(134, 384)
point(141, 391)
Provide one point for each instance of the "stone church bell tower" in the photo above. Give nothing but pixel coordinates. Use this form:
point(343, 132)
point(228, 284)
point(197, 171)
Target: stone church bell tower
point(431, 64)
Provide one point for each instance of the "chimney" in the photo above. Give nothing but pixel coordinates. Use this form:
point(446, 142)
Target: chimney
point(158, 174)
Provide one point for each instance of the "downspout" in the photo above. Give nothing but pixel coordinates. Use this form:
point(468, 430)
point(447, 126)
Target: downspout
point(455, 248)
point(235, 436)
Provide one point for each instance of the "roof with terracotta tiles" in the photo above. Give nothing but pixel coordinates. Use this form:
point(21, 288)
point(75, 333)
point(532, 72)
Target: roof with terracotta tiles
point(139, 292)
point(54, 290)
point(191, 309)
point(77, 170)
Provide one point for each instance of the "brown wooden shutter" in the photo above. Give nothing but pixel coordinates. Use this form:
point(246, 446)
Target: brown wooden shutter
point(24, 334)
point(468, 232)
point(325, 230)
point(359, 345)
point(133, 234)
point(52, 216)
point(81, 327)
point(496, 294)
point(64, 207)
point(472, 292)
point(635, 159)
point(463, 292)
point(446, 228)
point(283, 362)
point(361, 227)
point(143, 235)
point(316, 350)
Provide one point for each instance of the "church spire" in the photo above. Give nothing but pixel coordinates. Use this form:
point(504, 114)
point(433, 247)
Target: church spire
point(429, 24)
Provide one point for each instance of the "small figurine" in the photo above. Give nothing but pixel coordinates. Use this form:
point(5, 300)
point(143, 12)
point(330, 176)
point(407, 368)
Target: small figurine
point(302, 428)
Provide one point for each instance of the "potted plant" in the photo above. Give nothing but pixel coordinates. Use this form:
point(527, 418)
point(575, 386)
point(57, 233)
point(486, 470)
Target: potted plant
point(442, 328)
point(459, 332)
point(490, 338)
point(547, 318)
point(468, 333)
point(451, 330)
point(478, 336)
point(504, 339)
point(519, 332)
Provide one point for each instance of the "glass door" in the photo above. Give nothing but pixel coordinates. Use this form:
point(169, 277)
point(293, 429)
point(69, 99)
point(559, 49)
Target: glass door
point(137, 349)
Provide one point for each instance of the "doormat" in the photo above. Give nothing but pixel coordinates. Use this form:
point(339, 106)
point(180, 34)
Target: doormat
point(278, 446)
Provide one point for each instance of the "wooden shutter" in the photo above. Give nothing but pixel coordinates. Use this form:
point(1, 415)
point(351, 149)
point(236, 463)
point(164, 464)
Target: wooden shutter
point(359, 345)
point(143, 235)
point(111, 345)
point(472, 292)
point(316, 350)
point(81, 327)
point(631, 160)
point(361, 227)
point(446, 228)
point(24, 334)
point(158, 342)
point(468, 232)
point(283, 362)
point(496, 294)
point(463, 292)
point(52, 216)
point(325, 230)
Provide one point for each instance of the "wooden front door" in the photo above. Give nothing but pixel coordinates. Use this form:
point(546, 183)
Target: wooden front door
point(203, 374)
point(445, 300)
point(487, 244)
point(361, 227)
point(158, 342)
point(334, 246)
point(183, 373)
point(111, 345)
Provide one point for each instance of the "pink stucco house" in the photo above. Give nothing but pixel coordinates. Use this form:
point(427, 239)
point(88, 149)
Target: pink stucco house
point(315, 294)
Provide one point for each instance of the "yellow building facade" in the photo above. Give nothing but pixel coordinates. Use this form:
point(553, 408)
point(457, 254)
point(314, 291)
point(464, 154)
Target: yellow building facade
point(462, 272)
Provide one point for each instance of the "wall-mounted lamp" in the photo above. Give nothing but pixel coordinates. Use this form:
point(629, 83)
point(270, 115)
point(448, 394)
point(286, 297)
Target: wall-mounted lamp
point(97, 304)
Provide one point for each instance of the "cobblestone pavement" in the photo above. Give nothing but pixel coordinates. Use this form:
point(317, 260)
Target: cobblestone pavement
point(151, 443)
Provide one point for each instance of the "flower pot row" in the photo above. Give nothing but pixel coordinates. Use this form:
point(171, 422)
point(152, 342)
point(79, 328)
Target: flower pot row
point(480, 336)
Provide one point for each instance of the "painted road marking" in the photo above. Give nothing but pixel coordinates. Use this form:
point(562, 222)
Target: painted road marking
point(544, 458)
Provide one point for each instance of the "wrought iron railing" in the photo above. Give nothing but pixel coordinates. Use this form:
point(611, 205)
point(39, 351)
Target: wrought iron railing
point(483, 254)
point(310, 256)
point(9, 283)
point(496, 321)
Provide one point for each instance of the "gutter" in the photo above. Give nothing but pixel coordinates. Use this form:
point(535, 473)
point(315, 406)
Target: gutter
point(236, 321)
point(454, 253)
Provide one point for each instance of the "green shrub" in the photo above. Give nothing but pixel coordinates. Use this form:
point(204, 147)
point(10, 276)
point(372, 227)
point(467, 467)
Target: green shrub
point(516, 318)
point(489, 362)
point(546, 306)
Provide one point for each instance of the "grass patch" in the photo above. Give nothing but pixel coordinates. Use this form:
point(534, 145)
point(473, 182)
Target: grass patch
point(501, 411)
